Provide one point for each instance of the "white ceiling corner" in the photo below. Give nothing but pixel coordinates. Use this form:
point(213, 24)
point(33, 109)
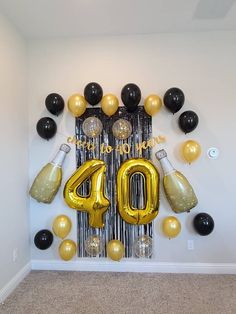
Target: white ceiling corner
point(72, 18)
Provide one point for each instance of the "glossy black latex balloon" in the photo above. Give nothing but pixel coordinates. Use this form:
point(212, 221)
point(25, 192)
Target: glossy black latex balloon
point(131, 96)
point(93, 93)
point(188, 121)
point(54, 103)
point(174, 99)
point(203, 224)
point(46, 128)
point(43, 239)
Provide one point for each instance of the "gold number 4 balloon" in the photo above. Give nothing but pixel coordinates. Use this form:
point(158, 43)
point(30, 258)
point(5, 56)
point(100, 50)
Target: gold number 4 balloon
point(96, 203)
point(151, 178)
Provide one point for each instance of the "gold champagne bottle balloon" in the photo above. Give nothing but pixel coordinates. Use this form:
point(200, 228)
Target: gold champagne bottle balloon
point(178, 190)
point(48, 180)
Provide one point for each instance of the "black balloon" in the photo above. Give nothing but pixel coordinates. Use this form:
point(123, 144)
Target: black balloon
point(174, 99)
point(54, 103)
point(43, 239)
point(93, 93)
point(203, 224)
point(131, 96)
point(188, 121)
point(46, 128)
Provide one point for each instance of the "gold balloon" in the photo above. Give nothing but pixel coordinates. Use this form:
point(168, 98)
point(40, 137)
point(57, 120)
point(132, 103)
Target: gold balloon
point(191, 150)
point(115, 250)
point(171, 227)
point(61, 226)
point(110, 104)
point(77, 105)
point(151, 178)
point(96, 203)
point(67, 249)
point(152, 104)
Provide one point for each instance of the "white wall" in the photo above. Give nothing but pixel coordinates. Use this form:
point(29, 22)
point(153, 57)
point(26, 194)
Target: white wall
point(14, 209)
point(204, 66)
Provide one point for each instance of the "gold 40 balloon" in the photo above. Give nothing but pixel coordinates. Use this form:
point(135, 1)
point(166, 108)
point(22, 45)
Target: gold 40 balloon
point(96, 203)
point(151, 179)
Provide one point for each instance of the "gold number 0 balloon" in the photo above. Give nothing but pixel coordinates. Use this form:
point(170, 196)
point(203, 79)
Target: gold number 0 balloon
point(96, 204)
point(151, 179)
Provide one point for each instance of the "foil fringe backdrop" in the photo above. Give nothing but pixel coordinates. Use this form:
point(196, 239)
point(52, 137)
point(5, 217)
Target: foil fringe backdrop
point(115, 227)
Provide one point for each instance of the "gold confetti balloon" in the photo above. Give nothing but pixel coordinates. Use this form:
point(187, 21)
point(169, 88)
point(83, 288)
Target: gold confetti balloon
point(142, 246)
point(92, 127)
point(122, 129)
point(94, 245)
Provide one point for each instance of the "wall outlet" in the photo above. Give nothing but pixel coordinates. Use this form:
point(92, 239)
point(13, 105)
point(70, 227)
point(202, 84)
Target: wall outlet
point(190, 245)
point(14, 255)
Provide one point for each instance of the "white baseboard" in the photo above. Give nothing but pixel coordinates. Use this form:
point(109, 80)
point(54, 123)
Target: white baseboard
point(14, 282)
point(134, 266)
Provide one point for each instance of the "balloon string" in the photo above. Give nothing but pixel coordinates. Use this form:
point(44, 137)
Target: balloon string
point(66, 136)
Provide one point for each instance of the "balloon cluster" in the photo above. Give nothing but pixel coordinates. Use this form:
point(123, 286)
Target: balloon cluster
point(174, 99)
point(46, 126)
point(61, 228)
point(203, 224)
point(142, 247)
point(130, 96)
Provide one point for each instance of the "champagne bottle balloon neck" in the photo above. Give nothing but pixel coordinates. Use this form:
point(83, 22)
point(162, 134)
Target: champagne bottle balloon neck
point(60, 156)
point(164, 161)
point(167, 166)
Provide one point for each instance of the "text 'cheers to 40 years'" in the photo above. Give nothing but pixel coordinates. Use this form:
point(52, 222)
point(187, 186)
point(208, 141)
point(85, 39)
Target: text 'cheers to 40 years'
point(122, 149)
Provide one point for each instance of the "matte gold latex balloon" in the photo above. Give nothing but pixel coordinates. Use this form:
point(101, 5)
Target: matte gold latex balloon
point(77, 105)
point(110, 104)
point(61, 226)
point(96, 203)
point(191, 151)
point(151, 178)
point(171, 227)
point(67, 249)
point(115, 250)
point(152, 104)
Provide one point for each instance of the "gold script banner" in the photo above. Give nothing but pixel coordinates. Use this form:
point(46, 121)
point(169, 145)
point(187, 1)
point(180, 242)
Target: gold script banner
point(123, 148)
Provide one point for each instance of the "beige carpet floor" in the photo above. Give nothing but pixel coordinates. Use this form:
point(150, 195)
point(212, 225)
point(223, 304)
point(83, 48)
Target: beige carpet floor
point(82, 292)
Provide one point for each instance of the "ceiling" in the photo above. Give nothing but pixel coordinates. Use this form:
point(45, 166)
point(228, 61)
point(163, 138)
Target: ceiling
point(72, 18)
